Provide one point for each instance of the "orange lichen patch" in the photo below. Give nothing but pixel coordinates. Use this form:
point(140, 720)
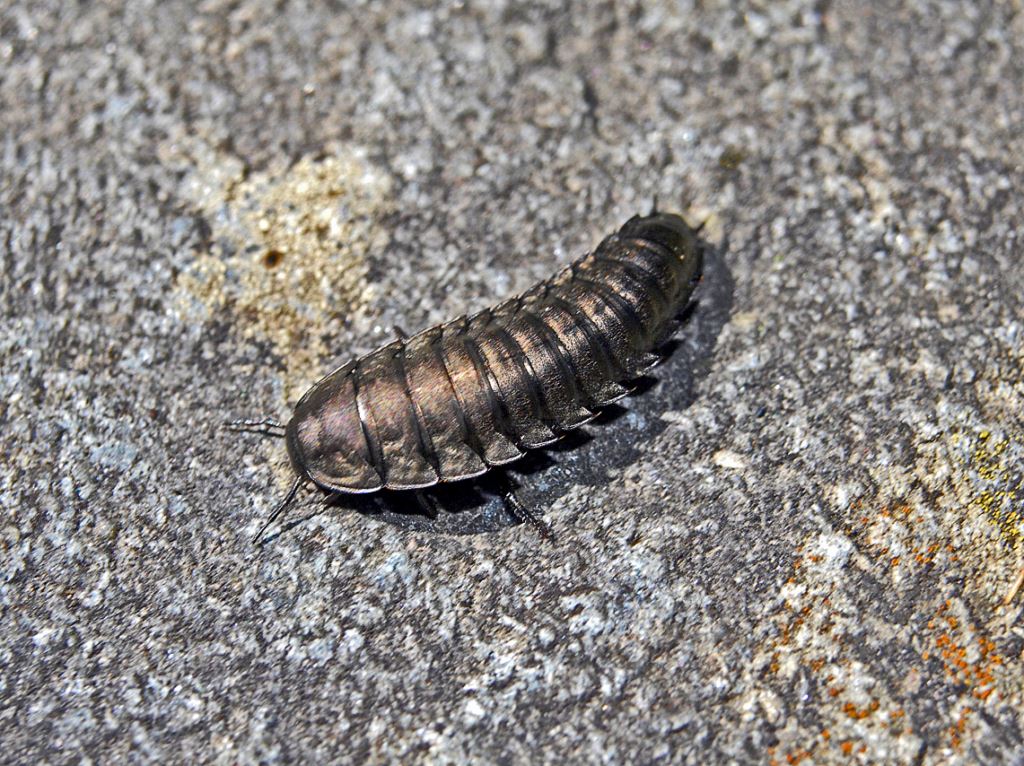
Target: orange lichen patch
point(983, 693)
point(968, 658)
point(791, 757)
point(958, 508)
point(925, 556)
point(948, 523)
point(812, 625)
point(971, 662)
point(911, 538)
point(815, 620)
point(858, 714)
point(922, 532)
point(895, 534)
point(958, 728)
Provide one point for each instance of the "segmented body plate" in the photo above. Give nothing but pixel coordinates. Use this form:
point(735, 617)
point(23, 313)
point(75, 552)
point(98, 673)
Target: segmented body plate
point(454, 400)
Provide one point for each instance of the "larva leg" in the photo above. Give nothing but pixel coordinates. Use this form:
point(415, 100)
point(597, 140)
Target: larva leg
point(521, 513)
point(399, 332)
point(279, 509)
point(264, 427)
point(426, 503)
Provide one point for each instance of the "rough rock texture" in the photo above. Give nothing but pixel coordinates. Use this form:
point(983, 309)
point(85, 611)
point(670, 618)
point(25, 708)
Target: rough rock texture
point(802, 542)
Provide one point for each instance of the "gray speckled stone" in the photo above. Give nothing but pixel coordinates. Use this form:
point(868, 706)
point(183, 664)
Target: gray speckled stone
point(802, 543)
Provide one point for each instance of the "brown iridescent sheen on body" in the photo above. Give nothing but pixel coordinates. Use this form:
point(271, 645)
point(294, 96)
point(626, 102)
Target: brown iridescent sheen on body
point(455, 400)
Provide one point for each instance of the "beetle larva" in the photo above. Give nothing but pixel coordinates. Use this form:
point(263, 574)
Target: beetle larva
point(460, 398)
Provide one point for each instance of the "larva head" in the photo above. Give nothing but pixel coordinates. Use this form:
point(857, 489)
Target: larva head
point(326, 438)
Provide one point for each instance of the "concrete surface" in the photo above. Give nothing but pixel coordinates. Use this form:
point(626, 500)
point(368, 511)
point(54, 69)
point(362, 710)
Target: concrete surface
point(800, 544)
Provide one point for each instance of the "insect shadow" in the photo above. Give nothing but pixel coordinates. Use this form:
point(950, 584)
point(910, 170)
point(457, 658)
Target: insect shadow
point(589, 455)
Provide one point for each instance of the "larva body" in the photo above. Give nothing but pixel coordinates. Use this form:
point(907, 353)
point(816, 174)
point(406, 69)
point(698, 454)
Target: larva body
point(462, 397)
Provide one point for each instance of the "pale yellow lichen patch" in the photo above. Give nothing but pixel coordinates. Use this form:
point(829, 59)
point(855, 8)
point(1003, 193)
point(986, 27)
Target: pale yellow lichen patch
point(960, 519)
point(996, 489)
point(989, 475)
point(287, 257)
point(966, 484)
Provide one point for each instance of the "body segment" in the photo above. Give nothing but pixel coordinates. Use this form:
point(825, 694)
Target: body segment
point(455, 400)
